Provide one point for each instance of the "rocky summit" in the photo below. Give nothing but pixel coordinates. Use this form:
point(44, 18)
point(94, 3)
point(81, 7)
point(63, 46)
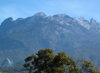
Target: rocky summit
point(78, 37)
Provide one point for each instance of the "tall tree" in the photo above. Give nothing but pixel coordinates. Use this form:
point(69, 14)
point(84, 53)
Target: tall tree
point(45, 61)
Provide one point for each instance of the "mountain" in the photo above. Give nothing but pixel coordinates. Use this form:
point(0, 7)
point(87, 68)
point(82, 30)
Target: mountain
point(77, 37)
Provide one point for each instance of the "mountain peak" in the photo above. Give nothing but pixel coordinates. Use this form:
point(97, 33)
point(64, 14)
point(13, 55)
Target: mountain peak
point(6, 21)
point(93, 21)
point(83, 19)
point(61, 15)
point(40, 14)
point(9, 19)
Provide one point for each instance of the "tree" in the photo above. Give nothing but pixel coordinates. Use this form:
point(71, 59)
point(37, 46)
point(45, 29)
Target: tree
point(28, 63)
point(87, 67)
point(63, 63)
point(40, 62)
point(45, 61)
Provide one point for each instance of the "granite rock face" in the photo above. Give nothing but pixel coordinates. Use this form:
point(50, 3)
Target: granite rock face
point(79, 37)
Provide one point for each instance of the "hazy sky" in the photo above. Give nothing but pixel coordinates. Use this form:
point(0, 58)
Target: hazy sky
point(75, 8)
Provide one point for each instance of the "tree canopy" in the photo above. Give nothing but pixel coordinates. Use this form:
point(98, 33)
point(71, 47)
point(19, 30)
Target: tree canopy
point(46, 61)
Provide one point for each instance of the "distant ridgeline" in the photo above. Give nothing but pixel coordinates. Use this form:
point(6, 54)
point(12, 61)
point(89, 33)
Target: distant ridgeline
point(77, 37)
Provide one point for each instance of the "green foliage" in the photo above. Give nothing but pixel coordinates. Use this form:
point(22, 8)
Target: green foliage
point(88, 67)
point(45, 61)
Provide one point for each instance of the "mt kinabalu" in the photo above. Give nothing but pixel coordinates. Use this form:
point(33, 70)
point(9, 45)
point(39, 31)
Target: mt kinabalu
point(79, 38)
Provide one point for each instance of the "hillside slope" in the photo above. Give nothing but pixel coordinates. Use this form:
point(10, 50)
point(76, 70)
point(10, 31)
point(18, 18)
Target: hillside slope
point(79, 38)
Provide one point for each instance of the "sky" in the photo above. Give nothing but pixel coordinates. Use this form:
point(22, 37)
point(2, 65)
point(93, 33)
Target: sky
point(74, 8)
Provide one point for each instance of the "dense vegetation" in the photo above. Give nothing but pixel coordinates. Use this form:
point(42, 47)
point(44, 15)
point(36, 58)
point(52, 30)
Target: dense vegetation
point(46, 61)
